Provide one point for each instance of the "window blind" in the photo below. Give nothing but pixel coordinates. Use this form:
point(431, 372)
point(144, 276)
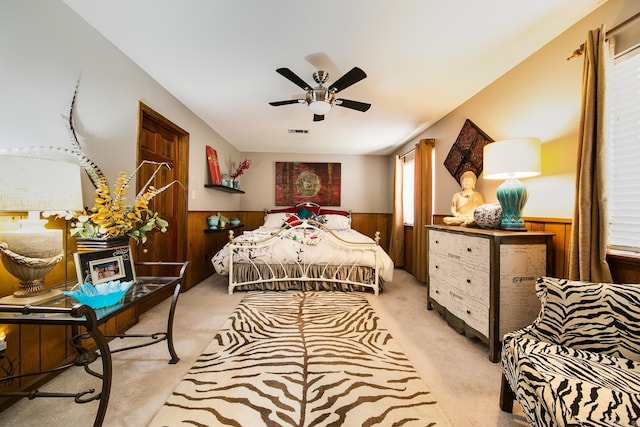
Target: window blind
point(623, 176)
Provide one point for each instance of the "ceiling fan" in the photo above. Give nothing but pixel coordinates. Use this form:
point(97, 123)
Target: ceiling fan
point(321, 99)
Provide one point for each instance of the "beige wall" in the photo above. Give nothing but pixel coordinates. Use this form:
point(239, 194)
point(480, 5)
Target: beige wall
point(365, 180)
point(540, 98)
point(44, 48)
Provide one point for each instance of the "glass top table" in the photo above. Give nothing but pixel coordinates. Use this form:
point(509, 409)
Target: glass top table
point(59, 309)
point(144, 288)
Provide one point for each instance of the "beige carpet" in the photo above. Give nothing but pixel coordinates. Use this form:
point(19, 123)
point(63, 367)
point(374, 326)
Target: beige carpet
point(457, 369)
point(302, 359)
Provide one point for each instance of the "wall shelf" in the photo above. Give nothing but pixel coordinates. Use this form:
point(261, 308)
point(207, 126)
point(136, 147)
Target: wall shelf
point(220, 229)
point(224, 188)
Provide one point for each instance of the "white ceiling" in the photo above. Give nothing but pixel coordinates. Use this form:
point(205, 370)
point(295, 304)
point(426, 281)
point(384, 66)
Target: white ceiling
point(423, 58)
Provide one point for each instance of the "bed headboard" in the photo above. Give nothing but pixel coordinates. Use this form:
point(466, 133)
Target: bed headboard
point(331, 218)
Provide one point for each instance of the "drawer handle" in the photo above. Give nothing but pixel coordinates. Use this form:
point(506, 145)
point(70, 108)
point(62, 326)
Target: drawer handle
point(437, 266)
point(468, 249)
point(468, 311)
point(437, 292)
point(437, 241)
point(468, 280)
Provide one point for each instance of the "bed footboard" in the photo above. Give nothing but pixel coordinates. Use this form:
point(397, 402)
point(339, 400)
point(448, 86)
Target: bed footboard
point(307, 256)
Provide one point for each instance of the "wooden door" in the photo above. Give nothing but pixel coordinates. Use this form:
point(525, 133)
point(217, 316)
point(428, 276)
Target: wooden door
point(159, 140)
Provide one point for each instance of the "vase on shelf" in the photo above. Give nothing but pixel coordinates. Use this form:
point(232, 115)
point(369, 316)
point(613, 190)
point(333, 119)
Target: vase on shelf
point(236, 184)
point(226, 180)
point(84, 244)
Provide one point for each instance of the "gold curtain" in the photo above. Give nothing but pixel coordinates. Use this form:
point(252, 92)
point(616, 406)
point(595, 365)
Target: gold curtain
point(422, 206)
point(587, 257)
point(396, 245)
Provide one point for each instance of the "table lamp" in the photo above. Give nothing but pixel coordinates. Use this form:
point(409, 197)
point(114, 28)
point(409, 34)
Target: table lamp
point(512, 159)
point(27, 184)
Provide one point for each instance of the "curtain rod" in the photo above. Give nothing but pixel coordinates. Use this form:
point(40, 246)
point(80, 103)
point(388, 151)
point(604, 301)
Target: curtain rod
point(580, 50)
point(408, 153)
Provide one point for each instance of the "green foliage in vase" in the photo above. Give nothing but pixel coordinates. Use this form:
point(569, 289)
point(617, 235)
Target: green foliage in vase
point(112, 217)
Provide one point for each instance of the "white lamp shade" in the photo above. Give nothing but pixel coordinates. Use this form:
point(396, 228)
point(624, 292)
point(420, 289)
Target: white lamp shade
point(34, 184)
point(512, 158)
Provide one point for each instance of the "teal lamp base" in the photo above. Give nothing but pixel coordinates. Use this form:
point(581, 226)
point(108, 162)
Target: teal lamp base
point(512, 195)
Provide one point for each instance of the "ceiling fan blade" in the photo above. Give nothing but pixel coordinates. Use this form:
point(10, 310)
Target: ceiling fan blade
point(287, 73)
point(354, 105)
point(318, 118)
point(290, 101)
point(354, 76)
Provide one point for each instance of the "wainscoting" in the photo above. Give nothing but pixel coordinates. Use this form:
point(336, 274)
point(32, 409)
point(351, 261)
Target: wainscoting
point(202, 246)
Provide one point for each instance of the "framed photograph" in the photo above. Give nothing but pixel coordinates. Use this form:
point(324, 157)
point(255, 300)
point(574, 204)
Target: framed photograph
point(105, 265)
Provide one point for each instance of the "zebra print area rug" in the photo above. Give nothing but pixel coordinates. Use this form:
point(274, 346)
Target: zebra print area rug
point(302, 359)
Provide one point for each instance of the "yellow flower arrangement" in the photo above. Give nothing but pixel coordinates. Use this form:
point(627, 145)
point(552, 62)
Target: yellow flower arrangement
point(111, 217)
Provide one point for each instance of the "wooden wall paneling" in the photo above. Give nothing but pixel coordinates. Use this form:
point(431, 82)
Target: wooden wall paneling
point(197, 248)
point(383, 225)
point(29, 349)
point(369, 223)
point(558, 244)
point(109, 327)
point(624, 269)
point(252, 220)
point(53, 345)
point(125, 320)
point(11, 355)
point(567, 246)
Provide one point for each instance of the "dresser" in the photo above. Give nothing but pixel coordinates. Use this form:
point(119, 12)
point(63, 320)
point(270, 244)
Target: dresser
point(483, 281)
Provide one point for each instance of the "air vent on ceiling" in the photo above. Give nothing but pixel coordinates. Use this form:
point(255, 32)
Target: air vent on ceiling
point(298, 131)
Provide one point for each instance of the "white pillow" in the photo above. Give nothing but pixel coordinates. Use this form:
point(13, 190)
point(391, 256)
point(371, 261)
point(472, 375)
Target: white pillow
point(275, 220)
point(337, 222)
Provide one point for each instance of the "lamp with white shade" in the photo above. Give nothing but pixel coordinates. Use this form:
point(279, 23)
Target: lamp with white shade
point(510, 160)
point(28, 184)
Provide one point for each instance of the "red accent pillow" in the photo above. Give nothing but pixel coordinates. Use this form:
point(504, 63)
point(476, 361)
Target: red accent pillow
point(292, 209)
point(333, 212)
point(293, 220)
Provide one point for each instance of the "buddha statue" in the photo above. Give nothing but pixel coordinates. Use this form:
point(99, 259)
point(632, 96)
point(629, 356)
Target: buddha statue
point(465, 202)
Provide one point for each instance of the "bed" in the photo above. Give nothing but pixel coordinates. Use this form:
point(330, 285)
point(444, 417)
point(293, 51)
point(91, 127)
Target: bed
point(304, 247)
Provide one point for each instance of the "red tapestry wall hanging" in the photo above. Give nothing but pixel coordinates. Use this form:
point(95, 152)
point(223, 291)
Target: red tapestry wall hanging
point(466, 152)
point(298, 182)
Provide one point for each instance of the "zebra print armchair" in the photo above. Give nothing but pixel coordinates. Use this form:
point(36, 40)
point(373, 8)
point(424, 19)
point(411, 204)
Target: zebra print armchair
point(578, 363)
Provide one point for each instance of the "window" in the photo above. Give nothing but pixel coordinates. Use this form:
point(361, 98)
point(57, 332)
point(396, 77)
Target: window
point(623, 185)
point(407, 190)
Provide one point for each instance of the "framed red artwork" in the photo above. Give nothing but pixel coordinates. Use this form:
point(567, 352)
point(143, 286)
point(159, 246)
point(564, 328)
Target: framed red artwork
point(214, 167)
point(298, 182)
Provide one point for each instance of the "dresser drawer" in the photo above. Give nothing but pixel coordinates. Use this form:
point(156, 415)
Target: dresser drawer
point(474, 252)
point(461, 249)
point(439, 291)
point(476, 315)
point(475, 284)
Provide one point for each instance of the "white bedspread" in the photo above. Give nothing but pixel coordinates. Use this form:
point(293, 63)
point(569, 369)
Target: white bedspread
point(310, 246)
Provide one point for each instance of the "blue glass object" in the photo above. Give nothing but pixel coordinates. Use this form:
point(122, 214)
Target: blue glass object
point(100, 295)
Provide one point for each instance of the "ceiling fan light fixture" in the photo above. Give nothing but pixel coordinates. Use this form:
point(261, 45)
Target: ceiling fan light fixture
point(320, 107)
point(321, 98)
